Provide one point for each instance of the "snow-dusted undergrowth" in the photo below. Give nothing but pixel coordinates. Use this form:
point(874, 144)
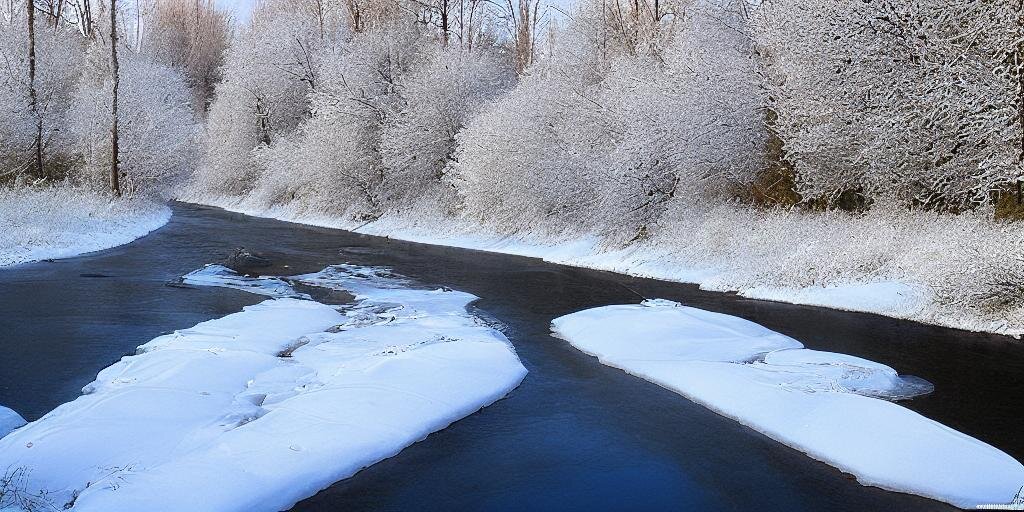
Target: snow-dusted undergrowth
point(259, 409)
point(824, 404)
point(64, 221)
point(961, 271)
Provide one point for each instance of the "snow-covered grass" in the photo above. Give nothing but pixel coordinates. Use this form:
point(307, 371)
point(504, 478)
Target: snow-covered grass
point(824, 404)
point(63, 221)
point(259, 409)
point(963, 271)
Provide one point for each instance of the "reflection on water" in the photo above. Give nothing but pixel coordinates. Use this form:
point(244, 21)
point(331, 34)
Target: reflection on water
point(575, 436)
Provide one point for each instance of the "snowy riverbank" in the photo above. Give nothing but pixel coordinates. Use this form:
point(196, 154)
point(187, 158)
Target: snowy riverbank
point(259, 409)
point(960, 271)
point(833, 407)
point(63, 221)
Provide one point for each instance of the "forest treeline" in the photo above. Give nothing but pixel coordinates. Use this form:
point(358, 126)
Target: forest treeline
point(602, 114)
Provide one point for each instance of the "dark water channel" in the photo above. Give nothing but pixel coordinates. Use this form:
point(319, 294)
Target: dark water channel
point(576, 435)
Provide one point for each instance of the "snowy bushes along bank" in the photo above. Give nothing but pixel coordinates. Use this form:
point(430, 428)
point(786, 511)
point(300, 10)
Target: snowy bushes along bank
point(824, 404)
point(962, 271)
point(259, 409)
point(40, 223)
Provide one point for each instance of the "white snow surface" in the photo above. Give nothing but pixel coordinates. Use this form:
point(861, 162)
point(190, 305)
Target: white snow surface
point(876, 296)
point(823, 404)
point(9, 420)
point(262, 408)
point(63, 221)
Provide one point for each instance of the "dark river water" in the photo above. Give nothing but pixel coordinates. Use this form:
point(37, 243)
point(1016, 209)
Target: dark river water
point(576, 435)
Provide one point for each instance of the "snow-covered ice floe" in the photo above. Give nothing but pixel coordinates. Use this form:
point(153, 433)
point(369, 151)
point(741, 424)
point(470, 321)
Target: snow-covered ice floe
point(827, 405)
point(261, 408)
point(9, 420)
point(219, 275)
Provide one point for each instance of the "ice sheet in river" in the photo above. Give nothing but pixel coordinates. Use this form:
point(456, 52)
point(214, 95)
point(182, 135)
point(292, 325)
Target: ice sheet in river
point(820, 403)
point(259, 409)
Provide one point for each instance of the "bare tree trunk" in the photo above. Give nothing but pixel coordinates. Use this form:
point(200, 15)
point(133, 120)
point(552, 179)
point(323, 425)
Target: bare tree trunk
point(262, 117)
point(319, 4)
point(469, 31)
point(524, 44)
point(60, 11)
point(1019, 57)
point(138, 26)
point(115, 176)
point(445, 15)
point(33, 98)
point(84, 18)
point(355, 10)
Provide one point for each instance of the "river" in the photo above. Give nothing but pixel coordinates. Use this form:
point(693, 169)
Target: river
point(576, 435)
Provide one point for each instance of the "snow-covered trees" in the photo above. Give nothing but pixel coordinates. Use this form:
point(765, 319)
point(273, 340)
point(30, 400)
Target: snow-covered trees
point(614, 140)
point(437, 100)
point(348, 108)
point(190, 36)
point(361, 107)
point(269, 71)
point(917, 99)
point(622, 116)
point(24, 116)
point(73, 100)
point(157, 129)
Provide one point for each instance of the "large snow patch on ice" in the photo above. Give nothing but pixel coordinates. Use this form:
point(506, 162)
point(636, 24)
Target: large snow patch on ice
point(824, 404)
point(9, 420)
point(261, 408)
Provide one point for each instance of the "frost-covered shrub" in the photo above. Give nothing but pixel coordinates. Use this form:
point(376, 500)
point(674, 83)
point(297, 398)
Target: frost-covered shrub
point(385, 116)
point(692, 127)
point(966, 269)
point(437, 99)
point(530, 158)
point(333, 163)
